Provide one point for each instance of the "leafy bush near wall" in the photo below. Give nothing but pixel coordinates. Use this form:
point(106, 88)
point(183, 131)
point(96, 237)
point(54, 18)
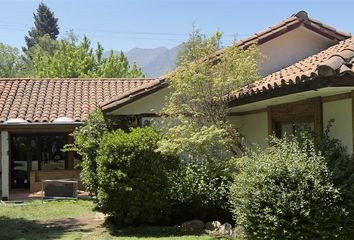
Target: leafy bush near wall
point(133, 177)
point(199, 188)
point(286, 192)
point(86, 143)
point(341, 165)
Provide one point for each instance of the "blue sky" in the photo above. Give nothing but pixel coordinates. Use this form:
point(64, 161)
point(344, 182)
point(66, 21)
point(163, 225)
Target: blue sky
point(122, 25)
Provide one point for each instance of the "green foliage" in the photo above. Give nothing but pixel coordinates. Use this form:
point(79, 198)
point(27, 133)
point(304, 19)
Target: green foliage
point(199, 88)
point(133, 177)
point(45, 24)
point(11, 62)
point(199, 188)
point(341, 164)
point(86, 143)
point(198, 130)
point(286, 192)
point(67, 58)
point(117, 65)
point(198, 46)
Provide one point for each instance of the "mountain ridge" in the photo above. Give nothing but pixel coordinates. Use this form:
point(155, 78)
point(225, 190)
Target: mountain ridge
point(154, 62)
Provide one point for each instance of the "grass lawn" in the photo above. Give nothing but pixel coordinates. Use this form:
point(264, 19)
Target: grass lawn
point(73, 220)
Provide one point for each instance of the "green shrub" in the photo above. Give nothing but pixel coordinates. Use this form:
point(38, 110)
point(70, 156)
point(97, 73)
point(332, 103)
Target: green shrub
point(199, 188)
point(341, 165)
point(86, 142)
point(133, 177)
point(286, 192)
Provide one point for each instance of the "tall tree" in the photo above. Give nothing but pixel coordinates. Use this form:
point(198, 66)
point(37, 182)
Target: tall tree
point(68, 58)
point(45, 23)
point(196, 113)
point(198, 46)
point(11, 62)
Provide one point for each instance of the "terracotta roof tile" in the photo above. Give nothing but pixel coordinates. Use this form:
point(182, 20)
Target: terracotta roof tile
point(298, 19)
point(334, 61)
point(44, 100)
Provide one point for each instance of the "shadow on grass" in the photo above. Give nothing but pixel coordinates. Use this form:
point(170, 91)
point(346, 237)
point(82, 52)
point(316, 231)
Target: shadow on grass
point(21, 228)
point(156, 232)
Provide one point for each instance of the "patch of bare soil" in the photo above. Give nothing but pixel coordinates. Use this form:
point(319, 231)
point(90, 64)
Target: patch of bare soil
point(90, 222)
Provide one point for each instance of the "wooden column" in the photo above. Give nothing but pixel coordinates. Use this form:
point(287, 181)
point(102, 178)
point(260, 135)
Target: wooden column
point(70, 154)
point(5, 170)
point(352, 95)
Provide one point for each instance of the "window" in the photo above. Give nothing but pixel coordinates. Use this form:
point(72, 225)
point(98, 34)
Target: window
point(52, 158)
point(294, 128)
point(295, 117)
point(36, 152)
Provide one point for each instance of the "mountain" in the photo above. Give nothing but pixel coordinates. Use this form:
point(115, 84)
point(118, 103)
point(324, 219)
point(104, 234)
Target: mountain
point(153, 61)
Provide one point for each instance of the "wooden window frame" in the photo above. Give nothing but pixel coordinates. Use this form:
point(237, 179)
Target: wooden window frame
point(304, 110)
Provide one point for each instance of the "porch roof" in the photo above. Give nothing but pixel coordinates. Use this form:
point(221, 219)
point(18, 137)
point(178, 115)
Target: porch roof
point(45, 100)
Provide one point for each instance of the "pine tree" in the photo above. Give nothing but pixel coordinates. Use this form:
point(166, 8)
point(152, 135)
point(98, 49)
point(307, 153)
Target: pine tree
point(45, 23)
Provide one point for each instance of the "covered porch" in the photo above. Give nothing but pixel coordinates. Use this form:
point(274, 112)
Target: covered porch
point(33, 152)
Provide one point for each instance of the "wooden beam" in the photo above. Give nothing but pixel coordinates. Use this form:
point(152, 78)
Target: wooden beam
point(336, 97)
point(43, 128)
point(248, 112)
point(352, 119)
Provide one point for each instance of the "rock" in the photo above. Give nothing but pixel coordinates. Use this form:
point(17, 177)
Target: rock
point(225, 229)
point(235, 232)
point(100, 216)
point(211, 226)
point(194, 225)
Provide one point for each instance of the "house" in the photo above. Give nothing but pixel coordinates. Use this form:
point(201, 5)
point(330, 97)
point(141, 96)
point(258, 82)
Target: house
point(36, 118)
point(307, 79)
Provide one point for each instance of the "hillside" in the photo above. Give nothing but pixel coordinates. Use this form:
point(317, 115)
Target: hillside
point(153, 61)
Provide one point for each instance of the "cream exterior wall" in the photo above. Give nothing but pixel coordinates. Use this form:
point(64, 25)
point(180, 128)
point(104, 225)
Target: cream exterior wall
point(291, 47)
point(254, 127)
point(341, 112)
point(152, 103)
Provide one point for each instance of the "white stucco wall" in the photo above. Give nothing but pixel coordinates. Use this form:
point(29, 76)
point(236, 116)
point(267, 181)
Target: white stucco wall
point(253, 126)
point(152, 103)
point(291, 47)
point(341, 112)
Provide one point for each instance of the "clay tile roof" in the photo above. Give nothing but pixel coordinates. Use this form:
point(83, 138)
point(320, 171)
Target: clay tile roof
point(291, 75)
point(299, 19)
point(336, 60)
point(44, 100)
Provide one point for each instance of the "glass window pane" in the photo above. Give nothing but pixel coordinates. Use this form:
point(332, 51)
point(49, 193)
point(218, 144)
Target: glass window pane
point(295, 128)
point(53, 158)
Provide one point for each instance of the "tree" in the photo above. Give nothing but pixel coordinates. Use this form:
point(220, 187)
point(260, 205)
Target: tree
point(11, 62)
point(116, 65)
point(200, 89)
point(198, 129)
point(198, 46)
point(45, 24)
point(67, 58)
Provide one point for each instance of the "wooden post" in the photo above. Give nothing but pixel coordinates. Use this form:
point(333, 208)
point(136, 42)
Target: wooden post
point(5, 170)
point(70, 154)
point(353, 120)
